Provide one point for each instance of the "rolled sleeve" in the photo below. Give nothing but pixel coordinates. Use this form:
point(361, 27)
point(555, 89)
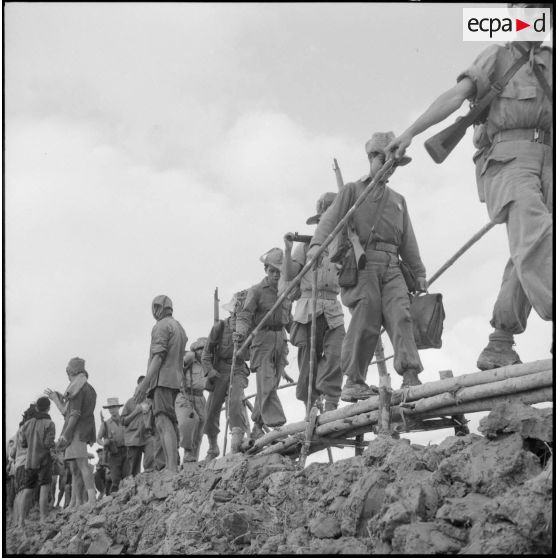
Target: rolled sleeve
point(481, 72)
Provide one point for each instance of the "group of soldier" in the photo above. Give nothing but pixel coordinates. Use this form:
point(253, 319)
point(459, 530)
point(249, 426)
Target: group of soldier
point(514, 176)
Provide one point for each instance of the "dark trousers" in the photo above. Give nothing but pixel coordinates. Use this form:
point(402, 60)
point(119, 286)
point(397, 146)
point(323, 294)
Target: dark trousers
point(379, 298)
point(134, 454)
point(327, 360)
point(118, 463)
point(237, 415)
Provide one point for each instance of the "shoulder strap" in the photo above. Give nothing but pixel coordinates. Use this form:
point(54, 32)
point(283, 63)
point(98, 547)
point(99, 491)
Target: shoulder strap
point(377, 215)
point(498, 86)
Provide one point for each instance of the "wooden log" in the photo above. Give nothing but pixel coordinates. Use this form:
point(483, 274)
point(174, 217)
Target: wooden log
point(494, 389)
point(540, 395)
point(384, 397)
point(410, 394)
point(452, 408)
point(365, 422)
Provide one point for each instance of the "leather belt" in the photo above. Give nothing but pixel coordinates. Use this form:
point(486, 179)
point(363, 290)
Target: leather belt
point(272, 328)
point(328, 295)
point(536, 135)
point(195, 392)
point(226, 360)
point(384, 247)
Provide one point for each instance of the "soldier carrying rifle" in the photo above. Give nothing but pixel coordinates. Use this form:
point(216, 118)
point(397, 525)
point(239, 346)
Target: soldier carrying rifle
point(514, 174)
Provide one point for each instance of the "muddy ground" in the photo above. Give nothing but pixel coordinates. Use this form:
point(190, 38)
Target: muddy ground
point(489, 494)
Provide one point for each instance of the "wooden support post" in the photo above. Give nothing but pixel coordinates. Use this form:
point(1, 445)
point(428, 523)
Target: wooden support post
point(385, 391)
point(359, 441)
point(460, 428)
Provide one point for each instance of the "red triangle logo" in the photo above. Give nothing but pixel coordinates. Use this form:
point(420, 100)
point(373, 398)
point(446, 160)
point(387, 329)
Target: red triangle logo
point(519, 25)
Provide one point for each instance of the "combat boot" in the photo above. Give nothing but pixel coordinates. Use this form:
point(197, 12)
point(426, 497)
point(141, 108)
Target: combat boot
point(355, 392)
point(498, 352)
point(237, 437)
point(257, 432)
point(213, 450)
point(410, 378)
point(189, 457)
point(329, 406)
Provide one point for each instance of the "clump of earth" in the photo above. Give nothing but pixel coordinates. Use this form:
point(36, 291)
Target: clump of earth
point(475, 494)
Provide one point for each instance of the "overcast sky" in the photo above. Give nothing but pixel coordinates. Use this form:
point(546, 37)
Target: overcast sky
point(162, 148)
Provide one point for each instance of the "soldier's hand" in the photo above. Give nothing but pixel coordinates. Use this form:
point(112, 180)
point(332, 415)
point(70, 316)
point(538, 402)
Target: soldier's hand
point(288, 238)
point(397, 146)
point(287, 377)
point(422, 284)
point(312, 252)
point(144, 407)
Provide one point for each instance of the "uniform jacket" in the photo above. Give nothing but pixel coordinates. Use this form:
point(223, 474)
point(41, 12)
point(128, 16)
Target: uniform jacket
point(393, 226)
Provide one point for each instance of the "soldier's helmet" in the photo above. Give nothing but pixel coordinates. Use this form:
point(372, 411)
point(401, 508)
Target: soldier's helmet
point(236, 303)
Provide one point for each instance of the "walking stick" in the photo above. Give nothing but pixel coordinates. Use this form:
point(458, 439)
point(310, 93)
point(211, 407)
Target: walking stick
point(383, 174)
point(228, 404)
point(311, 412)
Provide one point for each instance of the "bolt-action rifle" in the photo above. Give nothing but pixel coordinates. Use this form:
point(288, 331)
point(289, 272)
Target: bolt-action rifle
point(440, 145)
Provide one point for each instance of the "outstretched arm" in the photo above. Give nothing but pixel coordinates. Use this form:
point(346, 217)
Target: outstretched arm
point(447, 103)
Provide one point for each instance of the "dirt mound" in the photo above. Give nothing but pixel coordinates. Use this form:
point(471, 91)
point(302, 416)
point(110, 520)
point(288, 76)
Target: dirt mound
point(469, 494)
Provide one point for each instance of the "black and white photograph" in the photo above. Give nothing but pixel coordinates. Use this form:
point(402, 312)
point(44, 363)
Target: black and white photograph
point(278, 278)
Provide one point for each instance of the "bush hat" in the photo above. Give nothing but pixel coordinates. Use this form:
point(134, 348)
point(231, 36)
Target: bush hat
point(324, 201)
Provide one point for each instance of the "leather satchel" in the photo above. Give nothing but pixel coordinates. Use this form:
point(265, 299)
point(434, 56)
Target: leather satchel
point(427, 313)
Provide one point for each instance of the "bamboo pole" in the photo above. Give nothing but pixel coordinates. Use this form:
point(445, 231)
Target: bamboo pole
point(440, 406)
point(363, 423)
point(411, 394)
point(461, 251)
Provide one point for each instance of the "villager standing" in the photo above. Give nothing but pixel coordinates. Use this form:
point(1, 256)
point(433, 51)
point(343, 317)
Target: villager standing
point(111, 437)
point(79, 426)
point(268, 351)
point(383, 230)
point(190, 402)
point(38, 436)
point(134, 432)
point(330, 326)
point(217, 359)
point(514, 171)
point(162, 381)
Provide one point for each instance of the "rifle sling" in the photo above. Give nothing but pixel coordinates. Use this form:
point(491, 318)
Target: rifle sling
point(498, 86)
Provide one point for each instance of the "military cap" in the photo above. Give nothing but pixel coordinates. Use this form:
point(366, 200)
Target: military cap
point(198, 344)
point(273, 257)
point(379, 141)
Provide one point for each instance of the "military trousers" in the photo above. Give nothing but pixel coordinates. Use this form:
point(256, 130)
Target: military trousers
point(327, 378)
point(190, 413)
point(518, 185)
point(380, 297)
point(268, 358)
point(154, 456)
point(237, 413)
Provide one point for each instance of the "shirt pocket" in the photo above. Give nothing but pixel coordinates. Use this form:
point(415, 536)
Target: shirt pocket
point(519, 92)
